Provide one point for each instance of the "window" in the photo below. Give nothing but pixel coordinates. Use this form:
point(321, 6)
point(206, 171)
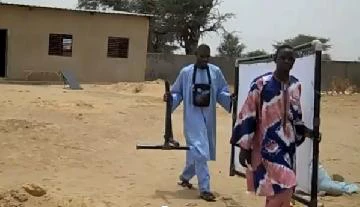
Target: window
point(60, 45)
point(118, 47)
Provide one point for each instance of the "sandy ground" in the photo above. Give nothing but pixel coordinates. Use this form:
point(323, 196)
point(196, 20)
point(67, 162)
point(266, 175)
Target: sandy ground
point(80, 147)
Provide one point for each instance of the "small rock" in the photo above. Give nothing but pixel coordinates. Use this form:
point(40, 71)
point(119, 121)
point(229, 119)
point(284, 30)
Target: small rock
point(34, 190)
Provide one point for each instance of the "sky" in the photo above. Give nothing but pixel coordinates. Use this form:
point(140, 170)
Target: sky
point(260, 23)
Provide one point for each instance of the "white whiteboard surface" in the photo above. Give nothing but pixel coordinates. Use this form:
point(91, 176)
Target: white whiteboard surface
point(304, 70)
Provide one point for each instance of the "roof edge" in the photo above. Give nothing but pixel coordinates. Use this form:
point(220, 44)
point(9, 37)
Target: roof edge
point(77, 10)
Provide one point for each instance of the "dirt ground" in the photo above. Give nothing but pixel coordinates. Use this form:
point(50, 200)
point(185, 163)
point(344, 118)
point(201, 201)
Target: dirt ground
point(80, 147)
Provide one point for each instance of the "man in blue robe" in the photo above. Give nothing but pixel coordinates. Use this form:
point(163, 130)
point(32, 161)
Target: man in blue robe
point(200, 86)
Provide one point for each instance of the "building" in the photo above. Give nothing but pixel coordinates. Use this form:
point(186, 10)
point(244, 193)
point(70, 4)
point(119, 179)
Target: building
point(98, 46)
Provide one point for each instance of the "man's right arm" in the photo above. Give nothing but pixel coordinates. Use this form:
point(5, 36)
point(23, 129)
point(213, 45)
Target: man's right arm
point(246, 120)
point(245, 126)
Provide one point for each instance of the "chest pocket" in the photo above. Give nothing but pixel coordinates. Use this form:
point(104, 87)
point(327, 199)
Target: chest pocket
point(201, 92)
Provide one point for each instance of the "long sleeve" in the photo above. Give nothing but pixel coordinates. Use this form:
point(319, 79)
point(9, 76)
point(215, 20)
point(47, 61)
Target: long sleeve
point(245, 126)
point(223, 95)
point(299, 124)
point(177, 91)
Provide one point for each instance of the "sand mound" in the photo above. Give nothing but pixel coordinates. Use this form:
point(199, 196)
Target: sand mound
point(33, 195)
point(20, 196)
point(149, 87)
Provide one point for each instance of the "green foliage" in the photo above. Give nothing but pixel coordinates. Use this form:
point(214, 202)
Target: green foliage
point(256, 53)
point(303, 39)
point(230, 46)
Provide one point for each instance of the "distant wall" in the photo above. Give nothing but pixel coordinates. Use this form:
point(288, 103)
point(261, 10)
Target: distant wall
point(340, 70)
point(167, 66)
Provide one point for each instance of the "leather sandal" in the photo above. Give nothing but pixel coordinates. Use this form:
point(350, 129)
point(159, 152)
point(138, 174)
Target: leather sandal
point(207, 196)
point(185, 183)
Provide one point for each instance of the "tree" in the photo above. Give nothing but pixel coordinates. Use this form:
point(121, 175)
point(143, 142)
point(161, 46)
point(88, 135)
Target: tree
point(303, 39)
point(181, 21)
point(159, 39)
point(189, 20)
point(230, 46)
point(256, 53)
point(358, 59)
point(118, 5)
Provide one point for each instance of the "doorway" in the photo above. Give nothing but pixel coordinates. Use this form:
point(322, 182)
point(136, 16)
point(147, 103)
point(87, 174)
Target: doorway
point(3, 42)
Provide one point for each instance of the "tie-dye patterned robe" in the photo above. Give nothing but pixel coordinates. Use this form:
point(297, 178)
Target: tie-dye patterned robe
point(270, 125)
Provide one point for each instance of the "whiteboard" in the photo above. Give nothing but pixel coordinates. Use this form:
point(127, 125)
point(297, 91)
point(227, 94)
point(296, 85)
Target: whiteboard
point(304, 70)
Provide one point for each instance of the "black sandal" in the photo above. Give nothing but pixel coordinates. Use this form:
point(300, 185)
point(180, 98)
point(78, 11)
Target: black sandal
point(185, 183)
point(207, 196)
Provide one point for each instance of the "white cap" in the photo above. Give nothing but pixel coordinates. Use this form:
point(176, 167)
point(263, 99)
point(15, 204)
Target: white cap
point(317, 44)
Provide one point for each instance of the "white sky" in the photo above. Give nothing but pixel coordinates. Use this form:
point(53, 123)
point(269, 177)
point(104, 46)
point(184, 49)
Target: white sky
point(262, 22)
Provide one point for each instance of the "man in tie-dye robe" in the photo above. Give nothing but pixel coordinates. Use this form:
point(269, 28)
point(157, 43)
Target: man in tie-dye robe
point(268, 129)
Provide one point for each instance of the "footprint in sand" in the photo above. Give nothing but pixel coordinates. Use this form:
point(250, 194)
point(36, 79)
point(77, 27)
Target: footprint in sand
point(230, 202)
point(131, 185)
point(79, 116)
point(120, 177)
point(82, 104)
point(25, 91)
point(191, 204)
point(7, 101)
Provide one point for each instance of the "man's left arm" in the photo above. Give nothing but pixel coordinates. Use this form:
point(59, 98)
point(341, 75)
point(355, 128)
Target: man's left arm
point(223, 95)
